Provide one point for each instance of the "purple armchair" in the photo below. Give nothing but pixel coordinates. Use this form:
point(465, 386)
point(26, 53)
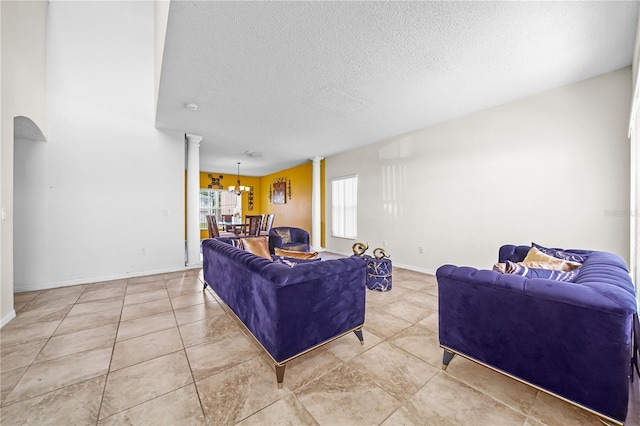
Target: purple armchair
point(289, 238)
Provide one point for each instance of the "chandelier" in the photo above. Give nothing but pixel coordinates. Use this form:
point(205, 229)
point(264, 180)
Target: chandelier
point(238, 189)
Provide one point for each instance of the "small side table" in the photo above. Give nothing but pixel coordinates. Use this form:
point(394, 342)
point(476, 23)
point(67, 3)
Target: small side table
point(378, 273)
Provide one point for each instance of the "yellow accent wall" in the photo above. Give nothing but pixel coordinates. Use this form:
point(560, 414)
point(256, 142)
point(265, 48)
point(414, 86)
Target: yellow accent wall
point(297, 209)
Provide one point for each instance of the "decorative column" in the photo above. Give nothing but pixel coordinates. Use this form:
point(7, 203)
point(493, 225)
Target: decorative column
point(316, 214)
point(193, 200)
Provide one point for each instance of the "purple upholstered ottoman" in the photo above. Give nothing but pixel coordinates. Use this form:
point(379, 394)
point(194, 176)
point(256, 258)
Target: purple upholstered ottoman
point(378, 273)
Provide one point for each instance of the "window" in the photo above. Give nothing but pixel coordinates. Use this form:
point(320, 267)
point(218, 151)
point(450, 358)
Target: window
point(344, 207)
point(217, 203)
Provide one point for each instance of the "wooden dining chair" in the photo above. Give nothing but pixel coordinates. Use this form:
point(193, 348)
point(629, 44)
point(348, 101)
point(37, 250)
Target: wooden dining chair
point(268, 225)
point(227, 218)
point(253, 223)
point(212, 226)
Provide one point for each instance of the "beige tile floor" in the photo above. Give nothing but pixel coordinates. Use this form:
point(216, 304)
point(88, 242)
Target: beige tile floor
point(158, 350)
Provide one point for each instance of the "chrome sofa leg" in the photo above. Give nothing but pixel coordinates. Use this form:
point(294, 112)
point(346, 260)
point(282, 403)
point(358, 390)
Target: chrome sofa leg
point(446, 358)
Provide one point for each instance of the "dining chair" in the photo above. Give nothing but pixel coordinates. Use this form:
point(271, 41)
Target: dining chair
point(268, 225)
point(253, 223)
point(212, 226)
point(227, 218)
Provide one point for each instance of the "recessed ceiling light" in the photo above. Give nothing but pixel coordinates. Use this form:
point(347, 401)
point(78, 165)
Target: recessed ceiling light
point(192, 106)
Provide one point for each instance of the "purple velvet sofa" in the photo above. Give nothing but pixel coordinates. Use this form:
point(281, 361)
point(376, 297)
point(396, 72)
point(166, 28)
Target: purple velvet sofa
point(289, 310)
point(569, 339)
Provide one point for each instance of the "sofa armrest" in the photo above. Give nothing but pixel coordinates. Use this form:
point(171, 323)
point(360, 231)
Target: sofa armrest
point(274, 240)
point(512, 253)
point(299, 235)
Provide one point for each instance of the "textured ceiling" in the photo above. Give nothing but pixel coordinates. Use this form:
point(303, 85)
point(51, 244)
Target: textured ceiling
point(285, 81)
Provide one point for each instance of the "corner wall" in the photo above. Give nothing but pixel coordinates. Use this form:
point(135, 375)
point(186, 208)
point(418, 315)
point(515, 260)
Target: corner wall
point(23, 26)
point(104, 197)
point(551, 168)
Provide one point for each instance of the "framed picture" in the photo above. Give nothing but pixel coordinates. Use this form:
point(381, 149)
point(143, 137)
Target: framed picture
point(279, 191)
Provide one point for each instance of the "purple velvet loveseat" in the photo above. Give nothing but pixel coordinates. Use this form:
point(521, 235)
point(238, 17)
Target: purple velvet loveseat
point(289, 310)
point(569, 339)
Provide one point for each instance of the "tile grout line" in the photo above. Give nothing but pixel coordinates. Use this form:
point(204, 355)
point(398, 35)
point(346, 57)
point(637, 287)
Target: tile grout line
point(184, 349)
point(113, 349)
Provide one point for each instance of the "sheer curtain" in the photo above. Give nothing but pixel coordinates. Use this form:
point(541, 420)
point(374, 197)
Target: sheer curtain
point(344, 207)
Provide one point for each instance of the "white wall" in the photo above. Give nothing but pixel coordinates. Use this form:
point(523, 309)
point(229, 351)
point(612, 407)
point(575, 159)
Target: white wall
point(634, 181)
point(161, 9)
point(552, 168)
point(104, 197)
point(23, 88)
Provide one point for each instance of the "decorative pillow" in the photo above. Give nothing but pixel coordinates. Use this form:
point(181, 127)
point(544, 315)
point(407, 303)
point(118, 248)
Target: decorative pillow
point(550, 262)
point(295, 254)
point(285, 235)
point(296, 247)
point(500, 267)
point(236, 242)
point(291, 261)
point(560, 254)
point(258, 246)
point(521, 269)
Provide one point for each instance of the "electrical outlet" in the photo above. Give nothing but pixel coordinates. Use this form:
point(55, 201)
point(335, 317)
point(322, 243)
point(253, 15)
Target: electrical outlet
point(384, 243)
point(421, 250)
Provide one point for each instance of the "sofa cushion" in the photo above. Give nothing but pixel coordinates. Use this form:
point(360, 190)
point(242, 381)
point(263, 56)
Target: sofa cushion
point(284, 234)
point(523, 269)
point(544, 261)
point(295, 254)
point(258, 246)
point(560, 254)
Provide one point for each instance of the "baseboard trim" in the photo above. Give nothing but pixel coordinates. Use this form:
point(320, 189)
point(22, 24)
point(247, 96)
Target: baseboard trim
point(399, 265)
point(90, 280)
point(8, 318)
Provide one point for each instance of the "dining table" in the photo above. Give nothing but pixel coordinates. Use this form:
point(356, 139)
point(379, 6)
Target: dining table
point(237, 227)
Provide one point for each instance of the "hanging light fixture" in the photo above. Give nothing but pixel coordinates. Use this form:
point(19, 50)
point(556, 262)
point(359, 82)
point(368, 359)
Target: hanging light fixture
point(238, 189)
